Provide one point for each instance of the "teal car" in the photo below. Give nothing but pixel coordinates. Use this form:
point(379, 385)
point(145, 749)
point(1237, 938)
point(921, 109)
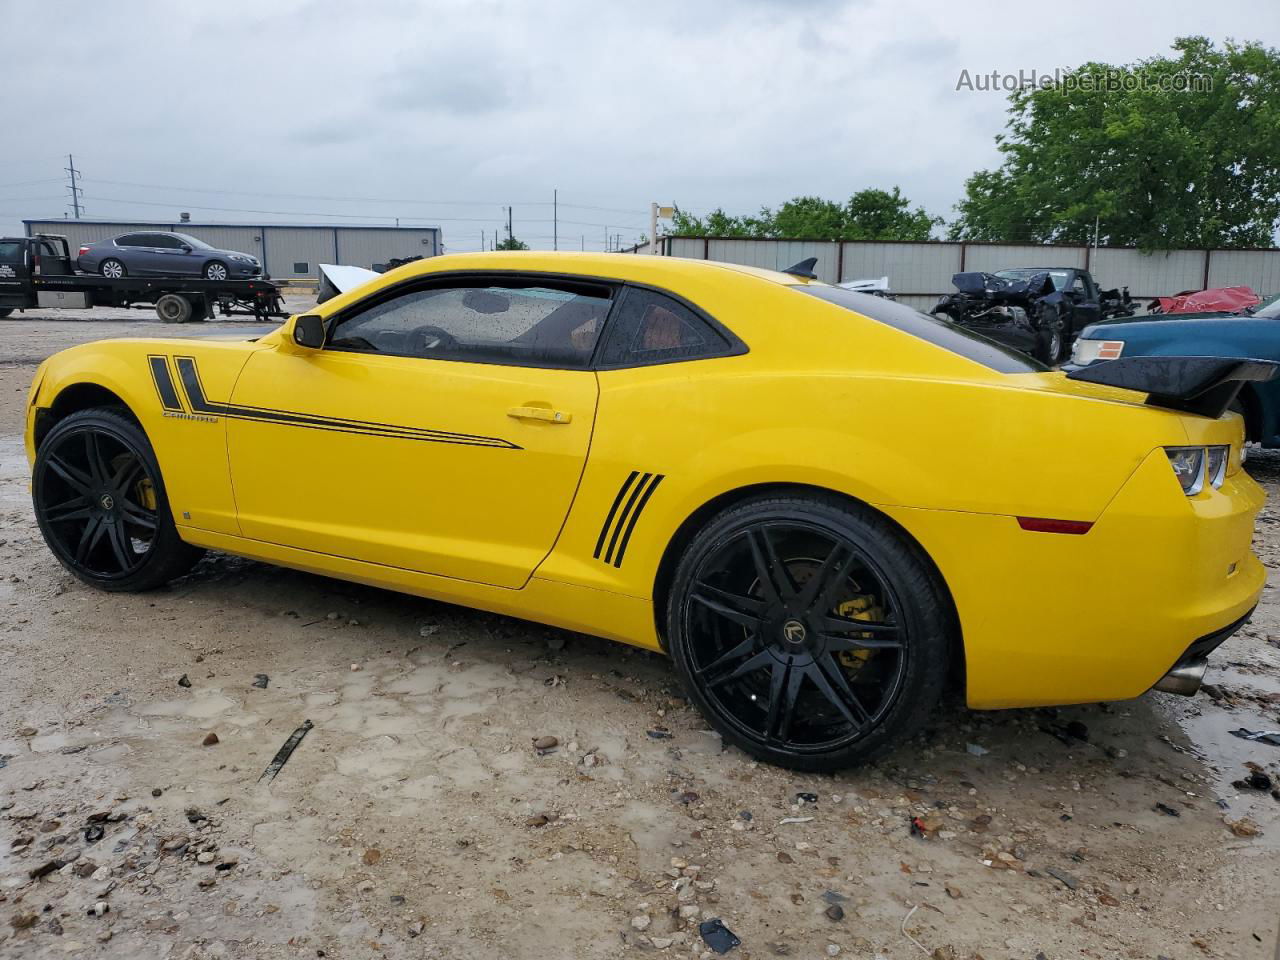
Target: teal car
point(1253, 334)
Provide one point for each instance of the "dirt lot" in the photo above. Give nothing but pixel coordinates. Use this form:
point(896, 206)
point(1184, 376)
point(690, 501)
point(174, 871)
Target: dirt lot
point(416, 819)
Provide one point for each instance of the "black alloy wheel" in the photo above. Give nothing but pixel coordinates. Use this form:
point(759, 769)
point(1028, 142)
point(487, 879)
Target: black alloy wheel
point(100, 503)
point(810, 632)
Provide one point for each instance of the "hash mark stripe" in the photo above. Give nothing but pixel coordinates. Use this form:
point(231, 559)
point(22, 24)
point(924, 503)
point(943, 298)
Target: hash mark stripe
point(635, 517)
point(622, 519)
point(608, 521)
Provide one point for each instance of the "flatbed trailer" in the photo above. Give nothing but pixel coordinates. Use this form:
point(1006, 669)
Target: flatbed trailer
point(38, 271)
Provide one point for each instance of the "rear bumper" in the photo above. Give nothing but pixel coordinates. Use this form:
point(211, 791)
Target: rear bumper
point(1054, 619)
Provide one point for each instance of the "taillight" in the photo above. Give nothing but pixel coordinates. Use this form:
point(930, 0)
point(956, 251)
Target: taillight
point(1193, 465)
point(82, 251)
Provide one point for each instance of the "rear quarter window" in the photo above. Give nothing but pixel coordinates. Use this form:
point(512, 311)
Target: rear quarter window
point(950, 337)
point(10, 251)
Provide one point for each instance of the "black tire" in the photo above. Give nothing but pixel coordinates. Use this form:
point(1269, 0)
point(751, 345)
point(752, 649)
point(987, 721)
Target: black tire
point(112, 269)
point(759, 569)
point(1049, 344)
point(101, 504)
point(5, 311)
point(216, 270)
point(173, 308)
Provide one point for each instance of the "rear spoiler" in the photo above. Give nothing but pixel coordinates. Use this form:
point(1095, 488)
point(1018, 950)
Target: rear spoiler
point(1205, 386)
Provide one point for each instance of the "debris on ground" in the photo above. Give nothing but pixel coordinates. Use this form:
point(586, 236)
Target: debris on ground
point(1066, 879)
point(184, 681)
point(1269, 736)
point(1244, 827)
point(1167, 810)
point(976, 750)
point(717, 936)
point(285, 752)
point(209, 740)
point(260, 680)
point(545, 744)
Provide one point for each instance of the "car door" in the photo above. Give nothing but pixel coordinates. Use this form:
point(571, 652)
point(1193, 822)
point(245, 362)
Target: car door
point(15, 273)
point(168, 256)
point(137, 252)
point(443, 428)
point(1088, 302)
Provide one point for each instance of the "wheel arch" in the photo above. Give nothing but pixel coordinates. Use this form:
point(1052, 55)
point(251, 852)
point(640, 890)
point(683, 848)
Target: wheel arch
point(74, 397)
point(699, 518)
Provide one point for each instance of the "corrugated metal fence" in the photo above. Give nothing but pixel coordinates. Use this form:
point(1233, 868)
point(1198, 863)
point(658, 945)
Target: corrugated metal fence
point(919, 273)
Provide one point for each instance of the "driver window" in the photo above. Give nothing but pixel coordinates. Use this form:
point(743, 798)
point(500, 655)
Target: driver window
point(500, 322)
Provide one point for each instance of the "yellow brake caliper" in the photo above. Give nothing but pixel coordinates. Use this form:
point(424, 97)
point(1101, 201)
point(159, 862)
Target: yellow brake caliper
point(146, 493)
point(861, 607)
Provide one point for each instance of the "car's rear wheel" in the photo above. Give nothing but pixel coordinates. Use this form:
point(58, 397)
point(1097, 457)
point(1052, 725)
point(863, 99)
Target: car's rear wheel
point(808, 630)
point(101, 504)
point(173, 308)
point(5, 311)
point(216, 270)
point(112, 269)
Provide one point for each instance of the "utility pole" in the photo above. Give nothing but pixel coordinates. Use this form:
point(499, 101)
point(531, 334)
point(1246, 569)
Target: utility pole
point(510, 234)
point(584, 242)
point(653, 228)
point(1097, 220)
point(555, 219)
point(75, 190)
point(482, 241)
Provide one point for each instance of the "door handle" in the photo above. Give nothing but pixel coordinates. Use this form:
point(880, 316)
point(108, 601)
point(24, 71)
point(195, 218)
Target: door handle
point(545, 414)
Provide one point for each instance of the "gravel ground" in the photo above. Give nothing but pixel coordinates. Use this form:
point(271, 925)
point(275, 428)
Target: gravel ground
point(416, 819)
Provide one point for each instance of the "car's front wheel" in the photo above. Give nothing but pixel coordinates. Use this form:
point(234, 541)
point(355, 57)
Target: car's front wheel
point(808, 630)
point(216, 270)
point(101, 504)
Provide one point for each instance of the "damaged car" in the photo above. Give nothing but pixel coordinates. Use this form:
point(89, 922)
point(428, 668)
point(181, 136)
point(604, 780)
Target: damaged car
point(1038, 311)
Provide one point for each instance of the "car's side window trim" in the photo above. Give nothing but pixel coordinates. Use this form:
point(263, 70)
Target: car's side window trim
point(493, 277)
point(733, 345)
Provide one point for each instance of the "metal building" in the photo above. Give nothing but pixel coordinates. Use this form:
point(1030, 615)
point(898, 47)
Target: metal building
point(287, 251)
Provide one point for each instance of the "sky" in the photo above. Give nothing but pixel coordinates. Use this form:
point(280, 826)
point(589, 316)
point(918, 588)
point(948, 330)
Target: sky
point(446, 113)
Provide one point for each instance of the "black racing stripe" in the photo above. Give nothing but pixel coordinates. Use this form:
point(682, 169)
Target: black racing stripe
point(190, 376)
point(635, 516)
point(164, 383)
point(608, 521)
point(626, 511)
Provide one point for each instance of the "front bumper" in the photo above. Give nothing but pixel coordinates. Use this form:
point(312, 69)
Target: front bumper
point(1054, 619)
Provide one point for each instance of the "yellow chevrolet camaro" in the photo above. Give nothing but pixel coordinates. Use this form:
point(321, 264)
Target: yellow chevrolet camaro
point(824, 506)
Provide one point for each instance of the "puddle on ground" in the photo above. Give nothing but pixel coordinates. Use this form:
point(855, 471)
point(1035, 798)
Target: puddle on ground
point(200, 706)
point(1208, 725)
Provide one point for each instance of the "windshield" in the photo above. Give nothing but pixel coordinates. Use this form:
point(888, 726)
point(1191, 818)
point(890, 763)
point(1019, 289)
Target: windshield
point(929, 328)
point(192, 241)
point(1268, 309)
point(1058, 277)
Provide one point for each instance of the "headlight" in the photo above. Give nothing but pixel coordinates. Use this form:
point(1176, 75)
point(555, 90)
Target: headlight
point(1192, 465)
point(1086, 352)
point(243, 258)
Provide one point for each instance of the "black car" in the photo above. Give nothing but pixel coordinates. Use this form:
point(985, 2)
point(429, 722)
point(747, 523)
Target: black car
point(164, 255)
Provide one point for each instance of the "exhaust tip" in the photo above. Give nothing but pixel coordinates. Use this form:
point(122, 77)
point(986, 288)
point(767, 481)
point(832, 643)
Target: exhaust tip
point(1184, 679)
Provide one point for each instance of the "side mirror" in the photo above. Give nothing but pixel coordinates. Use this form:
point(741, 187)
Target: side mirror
point(186, 248)
point(308, 331)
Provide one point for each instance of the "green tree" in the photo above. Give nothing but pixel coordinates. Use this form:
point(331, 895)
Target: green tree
point(511, 243)
point(867, 215)
point(1176, 151)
